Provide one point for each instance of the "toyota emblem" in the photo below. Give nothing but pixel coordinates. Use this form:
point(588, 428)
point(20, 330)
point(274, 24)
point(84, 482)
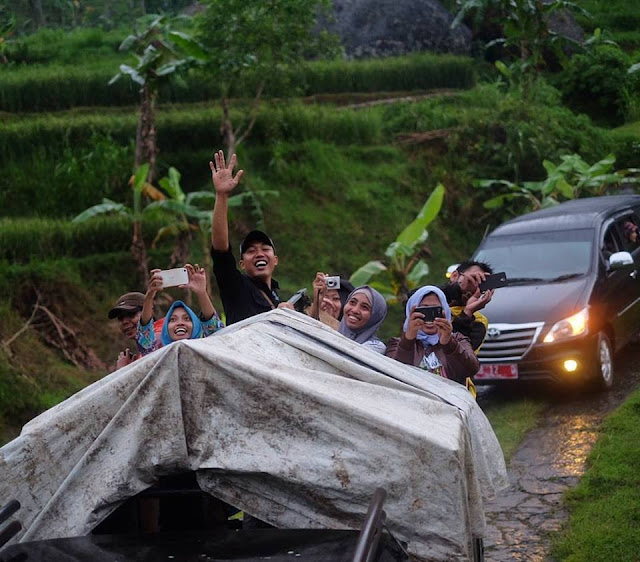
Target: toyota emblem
point(493, 333)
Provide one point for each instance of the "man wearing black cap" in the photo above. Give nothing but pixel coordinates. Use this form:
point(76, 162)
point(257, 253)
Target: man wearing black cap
point(254, 291)
point(127, 310)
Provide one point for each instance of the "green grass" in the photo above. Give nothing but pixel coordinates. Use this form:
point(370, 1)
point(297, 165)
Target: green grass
point(620, 18)
point(511, 420)
point(55, 87)
point(605, 506)
point(489, 133)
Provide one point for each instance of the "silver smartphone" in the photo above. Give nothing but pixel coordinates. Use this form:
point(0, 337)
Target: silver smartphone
point(174, 277)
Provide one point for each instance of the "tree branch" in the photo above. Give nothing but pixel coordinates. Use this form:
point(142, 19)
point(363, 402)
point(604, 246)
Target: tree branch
point(254, 115)
point(7, 343)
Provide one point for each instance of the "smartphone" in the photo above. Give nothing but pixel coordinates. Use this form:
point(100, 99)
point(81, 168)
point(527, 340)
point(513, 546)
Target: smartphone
point(174, 277)
point(430, 313)
point(494, 281)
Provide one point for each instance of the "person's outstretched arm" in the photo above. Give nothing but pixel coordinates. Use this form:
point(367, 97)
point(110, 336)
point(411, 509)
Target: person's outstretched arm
point(198, 284)
point(224, 183)
point(211, 322)
point(145, 335)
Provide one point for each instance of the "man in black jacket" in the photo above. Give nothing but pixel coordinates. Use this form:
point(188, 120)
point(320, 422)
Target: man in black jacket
point(466, 300)
point(254, 290)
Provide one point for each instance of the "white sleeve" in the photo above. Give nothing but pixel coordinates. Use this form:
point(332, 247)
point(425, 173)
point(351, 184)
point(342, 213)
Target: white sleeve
point(376, 345)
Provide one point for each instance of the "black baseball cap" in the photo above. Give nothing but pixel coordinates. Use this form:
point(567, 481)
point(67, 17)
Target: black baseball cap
point(255, 236)
point(129, 302)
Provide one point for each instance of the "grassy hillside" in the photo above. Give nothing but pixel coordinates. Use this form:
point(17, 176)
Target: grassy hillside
point(350, 174)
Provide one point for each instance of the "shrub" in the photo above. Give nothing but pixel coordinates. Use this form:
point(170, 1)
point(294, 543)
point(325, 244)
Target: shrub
point(597, 83)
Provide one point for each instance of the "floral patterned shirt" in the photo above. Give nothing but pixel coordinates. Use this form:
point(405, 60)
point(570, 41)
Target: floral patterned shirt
point(148, 342)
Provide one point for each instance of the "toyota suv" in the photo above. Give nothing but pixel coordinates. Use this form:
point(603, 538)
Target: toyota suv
point(573, 298)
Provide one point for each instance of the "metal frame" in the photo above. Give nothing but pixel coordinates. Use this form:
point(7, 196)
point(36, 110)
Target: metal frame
point(369, 537)
point(12, 529)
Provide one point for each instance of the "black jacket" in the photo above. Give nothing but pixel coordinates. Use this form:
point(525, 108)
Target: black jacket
point(242, 296)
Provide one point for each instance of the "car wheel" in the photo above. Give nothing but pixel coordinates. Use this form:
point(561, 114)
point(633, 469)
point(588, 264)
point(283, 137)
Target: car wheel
point(604, 363)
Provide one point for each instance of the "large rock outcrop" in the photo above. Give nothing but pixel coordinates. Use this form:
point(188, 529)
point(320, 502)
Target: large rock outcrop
point(393, 27)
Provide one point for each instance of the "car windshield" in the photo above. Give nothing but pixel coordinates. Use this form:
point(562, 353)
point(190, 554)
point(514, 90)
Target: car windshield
point(539, 257)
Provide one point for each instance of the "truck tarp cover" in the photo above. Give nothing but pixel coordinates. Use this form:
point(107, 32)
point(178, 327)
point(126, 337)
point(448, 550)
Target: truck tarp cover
point(279, 416)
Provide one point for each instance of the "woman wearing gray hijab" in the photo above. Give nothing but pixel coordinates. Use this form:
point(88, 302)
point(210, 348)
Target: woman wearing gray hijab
point(364, 312)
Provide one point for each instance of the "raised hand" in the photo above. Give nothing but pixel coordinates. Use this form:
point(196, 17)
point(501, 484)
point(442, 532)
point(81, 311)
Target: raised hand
point(124, 358)
point(416, 323)
point(444, 330)
point(222, 174)
point(470, 281)
point(478, 302)
point(197, 279)
point(155, 282)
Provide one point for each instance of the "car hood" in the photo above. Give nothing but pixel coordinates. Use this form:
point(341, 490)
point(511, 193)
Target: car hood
point(550, 302)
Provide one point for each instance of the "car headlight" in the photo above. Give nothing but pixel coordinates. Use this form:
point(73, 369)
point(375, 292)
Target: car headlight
point(575, 325)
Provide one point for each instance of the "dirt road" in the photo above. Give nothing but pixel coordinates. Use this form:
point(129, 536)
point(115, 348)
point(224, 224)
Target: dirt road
point(550, 459)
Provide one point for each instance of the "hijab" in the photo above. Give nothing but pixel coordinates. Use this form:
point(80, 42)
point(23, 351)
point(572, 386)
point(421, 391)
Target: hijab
point(196, 330)
point(378, 314)
point(426, 339)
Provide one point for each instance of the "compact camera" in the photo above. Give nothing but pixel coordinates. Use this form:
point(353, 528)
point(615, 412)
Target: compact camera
point(332, 282)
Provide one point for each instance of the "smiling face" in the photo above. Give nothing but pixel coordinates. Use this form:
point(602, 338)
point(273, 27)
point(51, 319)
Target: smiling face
point(259, 261)
point(128, 323)
point(180, 324)
point(430, 299)
point(357, 311)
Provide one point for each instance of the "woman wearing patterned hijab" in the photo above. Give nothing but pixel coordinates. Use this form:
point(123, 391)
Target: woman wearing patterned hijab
point(364, 312)
point(432, 345)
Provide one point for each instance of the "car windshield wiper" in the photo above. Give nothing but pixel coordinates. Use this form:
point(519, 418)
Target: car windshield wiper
point(522, 280)
point(565, 276)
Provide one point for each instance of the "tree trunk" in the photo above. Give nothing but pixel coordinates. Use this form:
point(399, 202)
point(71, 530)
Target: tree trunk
point(143, 7)
point(180, 254)
point(38, 13)
point(228, 135)
point(146, 137)
point(139, 251)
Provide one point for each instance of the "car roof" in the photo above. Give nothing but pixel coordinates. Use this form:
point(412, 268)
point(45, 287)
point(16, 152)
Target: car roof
point(579, 213)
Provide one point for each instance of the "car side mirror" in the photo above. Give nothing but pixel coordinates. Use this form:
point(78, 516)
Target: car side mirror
point(620, 260)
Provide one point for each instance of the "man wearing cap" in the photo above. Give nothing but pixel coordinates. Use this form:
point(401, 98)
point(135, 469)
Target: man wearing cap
point(127, 310)
point(254, 291)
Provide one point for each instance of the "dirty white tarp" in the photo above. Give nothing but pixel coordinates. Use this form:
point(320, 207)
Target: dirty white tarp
point(280, 416)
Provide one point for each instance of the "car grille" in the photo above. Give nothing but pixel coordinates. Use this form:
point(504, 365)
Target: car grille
point(508, 342)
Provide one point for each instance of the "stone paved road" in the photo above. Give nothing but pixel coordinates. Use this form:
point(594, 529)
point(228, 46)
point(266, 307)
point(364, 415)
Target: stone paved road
point(550, 459)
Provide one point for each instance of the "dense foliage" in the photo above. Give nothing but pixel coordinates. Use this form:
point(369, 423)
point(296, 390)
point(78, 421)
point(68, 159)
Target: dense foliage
point(352, 165)
point(597, 82)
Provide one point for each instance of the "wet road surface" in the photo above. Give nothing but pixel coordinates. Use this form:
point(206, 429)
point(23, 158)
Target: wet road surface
point(550, 459)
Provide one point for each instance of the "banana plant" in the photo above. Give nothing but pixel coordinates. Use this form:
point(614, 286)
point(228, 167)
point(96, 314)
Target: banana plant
point(161, 52)
point(188, 215)
point(404, 265)
point(571, 179)
point(140, 188)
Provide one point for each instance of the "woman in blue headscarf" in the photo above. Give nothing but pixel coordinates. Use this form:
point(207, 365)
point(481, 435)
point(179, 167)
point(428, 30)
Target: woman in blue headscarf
point(433, 345)
point(180, 322)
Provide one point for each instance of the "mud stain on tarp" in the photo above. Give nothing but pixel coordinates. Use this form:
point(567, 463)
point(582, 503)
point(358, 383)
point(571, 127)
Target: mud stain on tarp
point(550, 460)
